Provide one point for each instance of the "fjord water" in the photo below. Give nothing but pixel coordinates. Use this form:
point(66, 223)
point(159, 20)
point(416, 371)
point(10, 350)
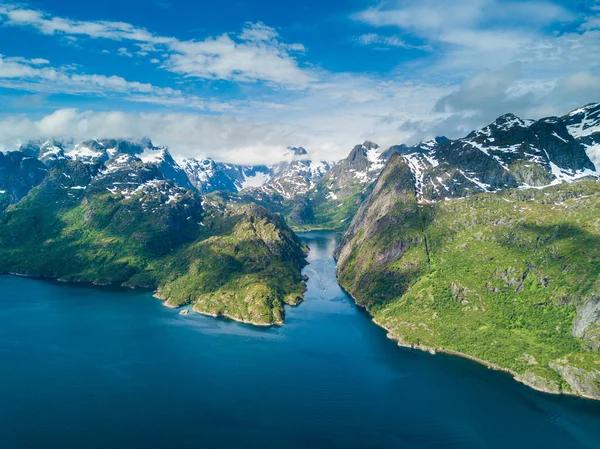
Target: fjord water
point(95, 368)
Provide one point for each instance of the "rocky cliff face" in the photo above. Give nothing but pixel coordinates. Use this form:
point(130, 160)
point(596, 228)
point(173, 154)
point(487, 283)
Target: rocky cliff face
point(509, 278)
point(18, 175)
point(584, 125)
point(334, 199)
point(373, 241)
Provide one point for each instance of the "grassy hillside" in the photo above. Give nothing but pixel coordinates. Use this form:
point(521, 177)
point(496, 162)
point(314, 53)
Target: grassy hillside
point(511, 278)
point(238, 260)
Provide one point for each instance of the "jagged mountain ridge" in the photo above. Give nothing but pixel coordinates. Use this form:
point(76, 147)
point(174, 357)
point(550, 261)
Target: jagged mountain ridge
point(508, 153)
point(295, 175)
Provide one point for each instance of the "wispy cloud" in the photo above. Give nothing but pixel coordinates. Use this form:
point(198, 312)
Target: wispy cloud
point(257, 54)
point(46, 24)
point(36, 75)
point(388, 41)
point(532, 58)
point(472, 35)
point(124, 52)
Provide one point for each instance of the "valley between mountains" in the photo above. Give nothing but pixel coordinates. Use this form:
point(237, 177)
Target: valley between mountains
point(486, 246)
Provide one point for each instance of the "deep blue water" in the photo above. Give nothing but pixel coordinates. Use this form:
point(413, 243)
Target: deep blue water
point(95, 368)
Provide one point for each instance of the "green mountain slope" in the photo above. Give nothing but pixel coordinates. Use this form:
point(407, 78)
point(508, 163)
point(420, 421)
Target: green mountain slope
point(238, 260)
point(510, 278)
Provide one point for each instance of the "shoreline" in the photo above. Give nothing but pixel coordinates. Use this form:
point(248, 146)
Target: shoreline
point(95, 284)
point(238, 320)
point(516, 376)
point(223, 315)
point(82, 283)
point(433, 351)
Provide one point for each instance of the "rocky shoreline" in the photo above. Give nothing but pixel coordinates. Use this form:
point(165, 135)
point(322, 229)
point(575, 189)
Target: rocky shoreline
point(222, 315)
point(239, 320)
point(156, 295)
point(531, 380)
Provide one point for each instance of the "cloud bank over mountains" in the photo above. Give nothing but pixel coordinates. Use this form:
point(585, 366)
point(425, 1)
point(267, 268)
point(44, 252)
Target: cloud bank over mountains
point(247, 94)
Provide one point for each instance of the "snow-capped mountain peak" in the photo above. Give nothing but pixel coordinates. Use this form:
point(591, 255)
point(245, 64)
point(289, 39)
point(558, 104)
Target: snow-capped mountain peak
point(155, 156)
point(294, 176)
point(510, 152)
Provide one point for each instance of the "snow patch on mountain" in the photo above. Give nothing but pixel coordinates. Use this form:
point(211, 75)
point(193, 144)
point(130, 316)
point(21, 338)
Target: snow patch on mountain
point(593, 152)
point(153, 156)
point(84, 153)
point(257, 179)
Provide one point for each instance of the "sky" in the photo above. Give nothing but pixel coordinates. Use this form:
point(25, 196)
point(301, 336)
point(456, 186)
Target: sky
point(241, 80)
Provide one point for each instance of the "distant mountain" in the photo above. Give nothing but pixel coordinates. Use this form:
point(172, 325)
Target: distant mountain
point(508, 153)
point(207, 176)
point(339, 192)
point(295, 175)
point(19, 173)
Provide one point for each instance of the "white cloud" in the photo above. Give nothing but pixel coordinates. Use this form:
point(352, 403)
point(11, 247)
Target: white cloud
point(327, 125)
point(387, 41)
point(13, 15)
point(256, 54)
point(433, 19)
point(224, 138)
point(124, 52)
point(499, 56)
point(257, 57)
point(34, 75)
point(473, 35)
point(258, 32)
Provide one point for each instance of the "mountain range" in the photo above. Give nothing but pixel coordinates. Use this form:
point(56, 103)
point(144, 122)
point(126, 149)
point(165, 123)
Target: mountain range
point(484, 246)
point(508, 153)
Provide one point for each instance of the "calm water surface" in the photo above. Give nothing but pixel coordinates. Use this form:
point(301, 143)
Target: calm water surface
point(94, 368)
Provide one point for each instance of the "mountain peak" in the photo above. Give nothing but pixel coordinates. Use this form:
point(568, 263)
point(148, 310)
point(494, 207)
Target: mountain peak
point(360, 152)
point(298, 151)
point(153, 155)
point(510, 120)
point(585, 109)
point(370, 145)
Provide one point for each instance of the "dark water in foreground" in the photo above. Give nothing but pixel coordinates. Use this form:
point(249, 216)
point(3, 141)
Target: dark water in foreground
point(94, 368)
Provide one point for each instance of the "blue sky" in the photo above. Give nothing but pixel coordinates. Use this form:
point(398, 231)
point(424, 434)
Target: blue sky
point(241, 80)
